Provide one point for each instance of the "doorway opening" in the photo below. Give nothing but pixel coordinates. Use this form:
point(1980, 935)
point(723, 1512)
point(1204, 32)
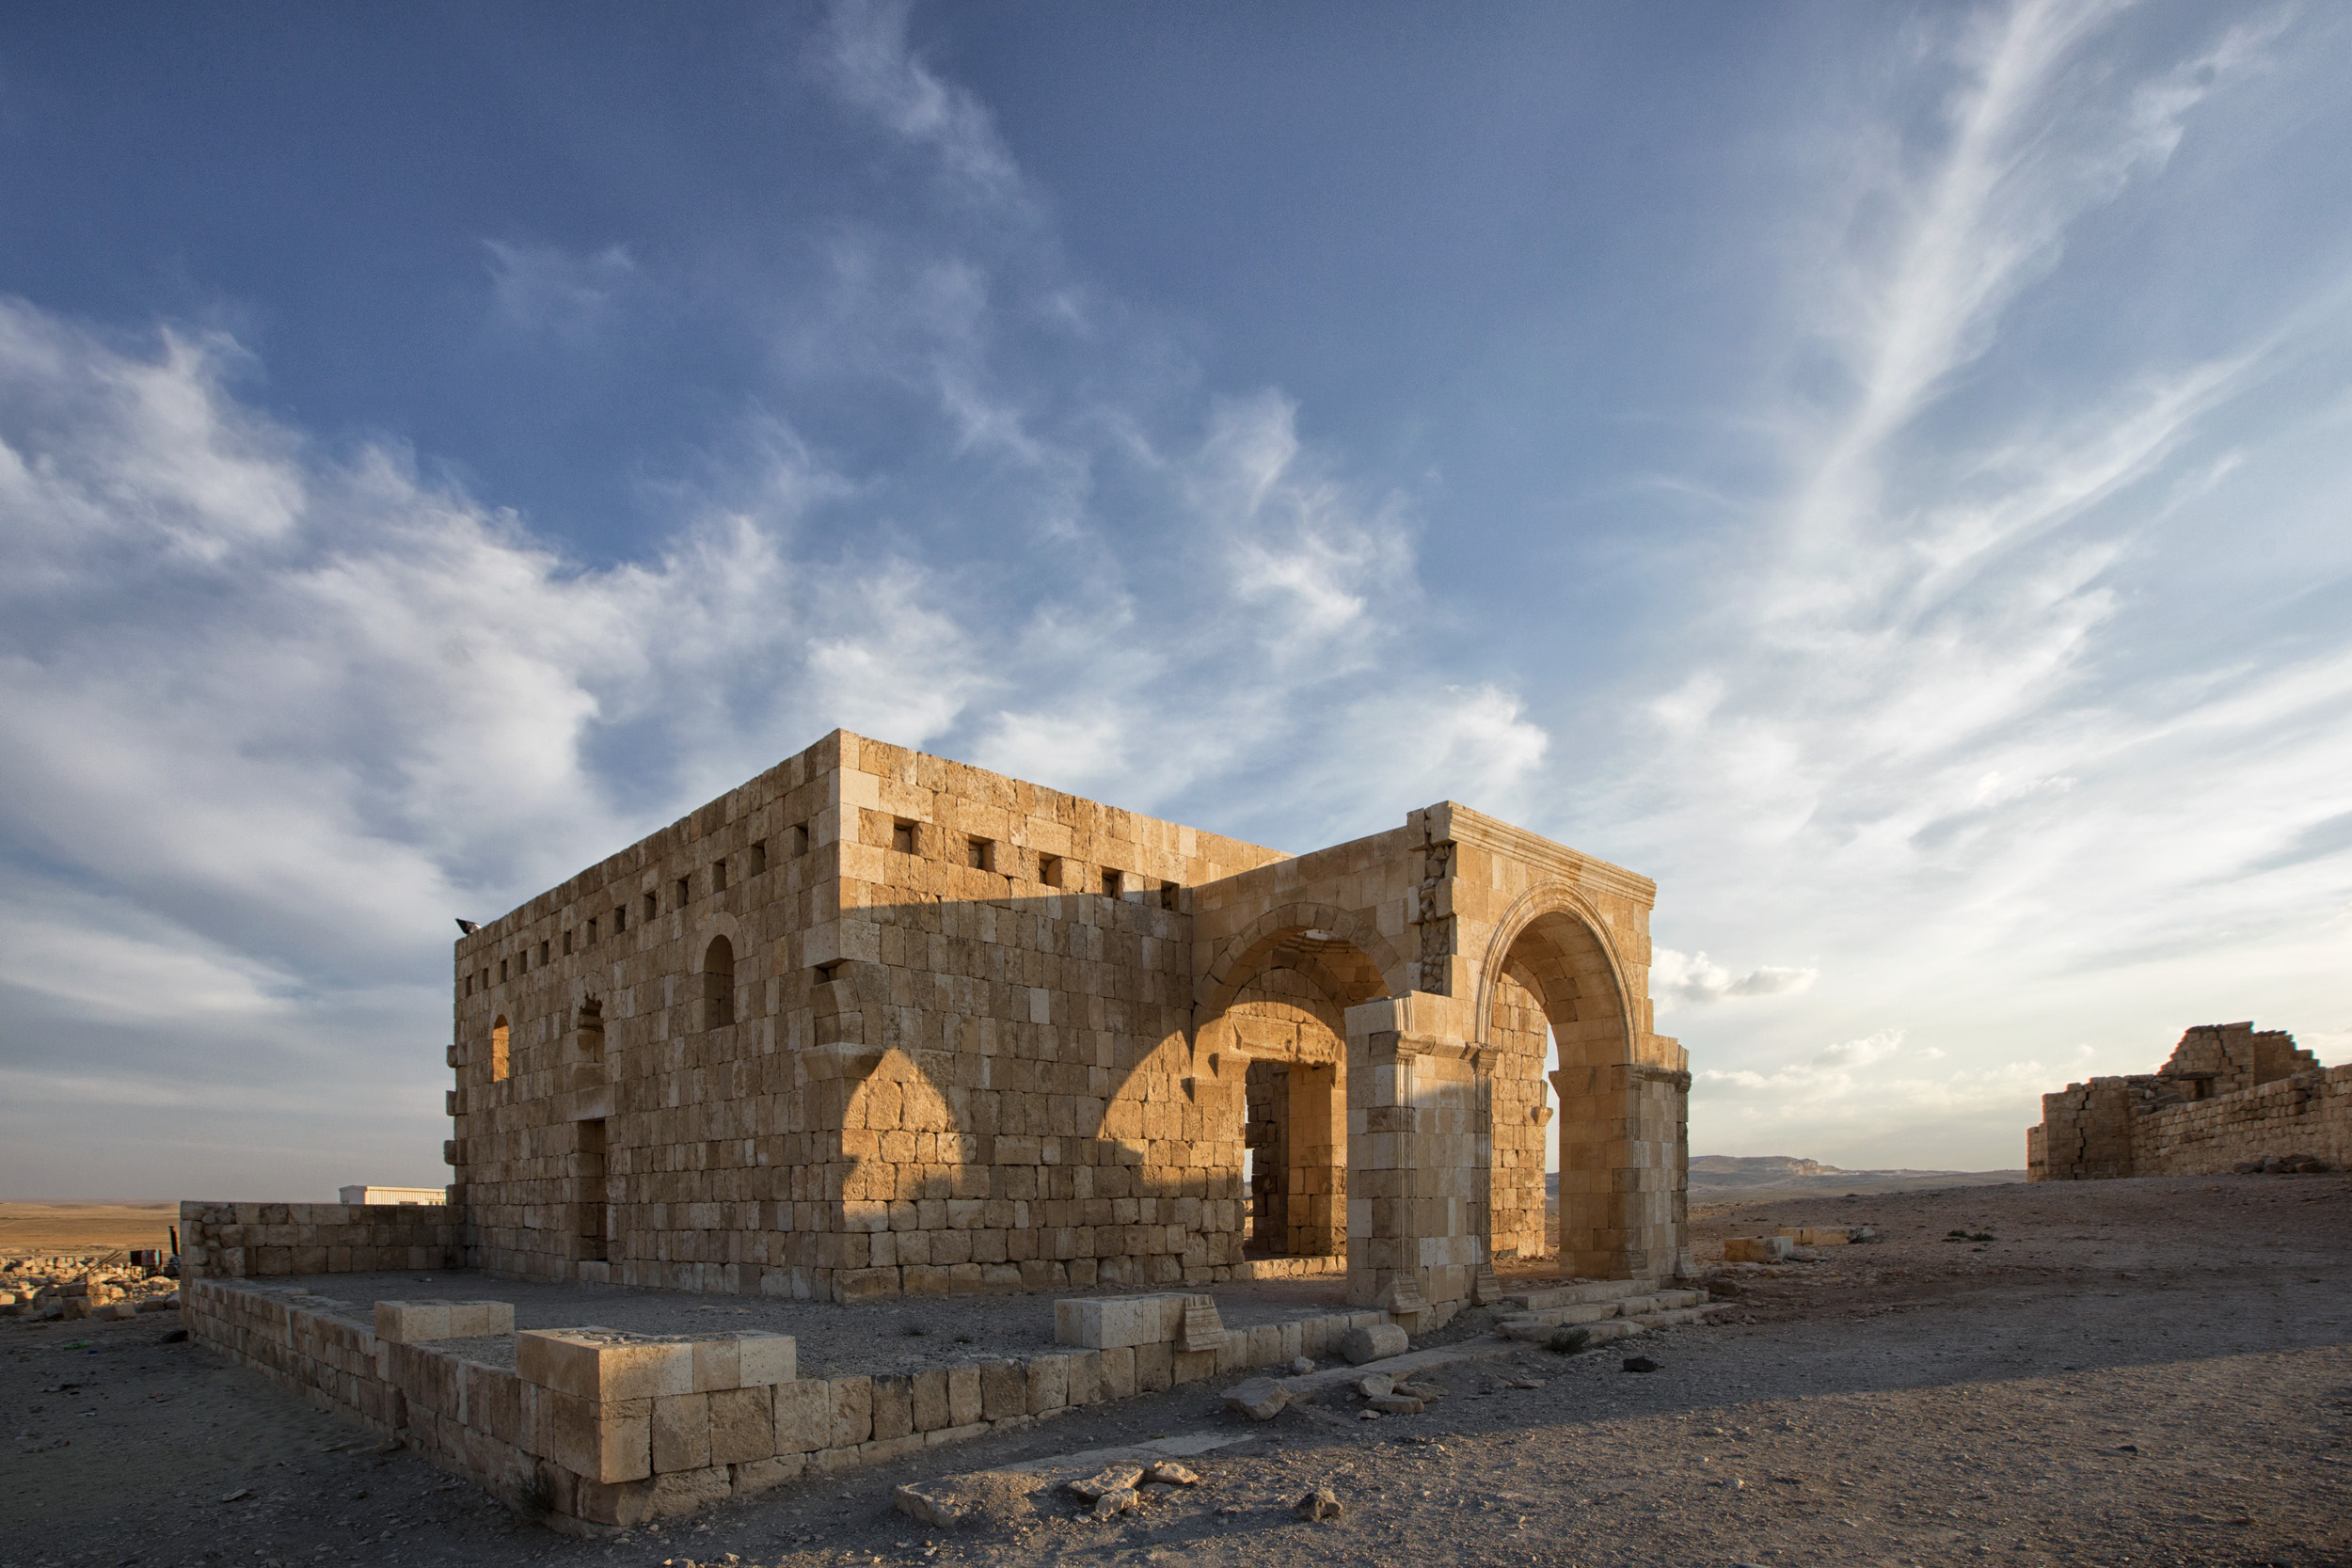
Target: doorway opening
point(1294, 1156)
point(590, 1209)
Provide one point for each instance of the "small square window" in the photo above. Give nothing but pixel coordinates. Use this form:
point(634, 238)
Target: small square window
point(591, 937)
point(542, 954)
point(620, 918)
point(1114, 882)
point(902, 837)
point(502, 972)
point(486, 979)
point(567, 943)
point(685, 891)
point(800, 839)
point(653, 906)
point(1049, 870)
point(758, 857)
point(719, 876)
point(468, 984)
point(979, 854)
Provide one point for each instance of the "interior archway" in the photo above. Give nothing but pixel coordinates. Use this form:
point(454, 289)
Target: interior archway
point(1554, 997)
point(501, 1060)
point(1281, 1031)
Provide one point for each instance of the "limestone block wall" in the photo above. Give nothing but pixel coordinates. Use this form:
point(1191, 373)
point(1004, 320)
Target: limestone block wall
point(1521, 1112)
point(2310, 1112)
point(590, 1432)
point(1016, 995)
point(254, 1239)
point(643, 1104)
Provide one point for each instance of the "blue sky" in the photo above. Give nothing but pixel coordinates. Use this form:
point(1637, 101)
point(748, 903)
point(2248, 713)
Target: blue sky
point(1882, 472)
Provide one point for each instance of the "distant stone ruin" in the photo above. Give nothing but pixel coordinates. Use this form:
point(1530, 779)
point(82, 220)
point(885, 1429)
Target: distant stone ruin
point(2231, 1095)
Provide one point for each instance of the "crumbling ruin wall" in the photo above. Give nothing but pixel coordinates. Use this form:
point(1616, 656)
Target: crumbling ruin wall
point(2229, 1093)
point(2308, 1113)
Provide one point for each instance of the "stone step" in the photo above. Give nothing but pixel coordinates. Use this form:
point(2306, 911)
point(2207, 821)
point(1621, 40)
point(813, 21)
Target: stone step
point(1555, 1316)
point(1648, 1304)
point(1585, 1294)
point(1680, 1315)
point(1661, 1309)
point(1659, 1301)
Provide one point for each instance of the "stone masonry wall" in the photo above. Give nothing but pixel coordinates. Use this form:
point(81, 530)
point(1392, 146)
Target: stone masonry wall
point(689, 1076)
point(878, 1022)
point(2310, 1112)
point(1018, 966)
point(591, 1430)
point(249, 1239)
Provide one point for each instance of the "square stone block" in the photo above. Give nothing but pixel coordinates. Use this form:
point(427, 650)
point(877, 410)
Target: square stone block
point(410, 1323)
point(477, 1320)
point(603, 1364)
point(742, 1425)
point(607, 1441)
point(804, 1416)
point(681, 1432)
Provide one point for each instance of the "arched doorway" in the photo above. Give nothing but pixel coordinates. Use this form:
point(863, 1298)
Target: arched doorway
point(501, 1060)
point(1555, 1009)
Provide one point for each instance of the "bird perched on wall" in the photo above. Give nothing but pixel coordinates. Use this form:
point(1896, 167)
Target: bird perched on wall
point(470, 927)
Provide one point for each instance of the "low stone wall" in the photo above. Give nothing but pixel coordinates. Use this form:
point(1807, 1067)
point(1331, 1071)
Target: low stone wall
point(589, 1430)
point(2308, 1113)
point(243, 1241)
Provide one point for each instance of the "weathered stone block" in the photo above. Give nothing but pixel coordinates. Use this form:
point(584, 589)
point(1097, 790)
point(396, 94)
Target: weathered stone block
point(681, 1432)
point(742, 1425)
point(804, 1416)
point(603, 1364)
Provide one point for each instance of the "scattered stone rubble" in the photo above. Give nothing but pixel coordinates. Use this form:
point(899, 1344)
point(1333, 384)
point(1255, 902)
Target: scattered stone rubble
point(96, 1285)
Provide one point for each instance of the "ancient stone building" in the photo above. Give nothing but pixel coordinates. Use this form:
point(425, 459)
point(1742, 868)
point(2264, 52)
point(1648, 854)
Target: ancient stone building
point(878, 1023)
point(2229, 1093)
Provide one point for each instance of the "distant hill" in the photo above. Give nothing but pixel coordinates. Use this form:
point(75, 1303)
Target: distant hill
point(1722, 1177)
point(1748, 1166)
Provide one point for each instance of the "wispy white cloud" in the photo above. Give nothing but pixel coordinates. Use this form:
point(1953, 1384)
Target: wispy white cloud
point(309, 703)
point(1918, 723)
point(866, 56)
point(545, 288)
point(1693, 977)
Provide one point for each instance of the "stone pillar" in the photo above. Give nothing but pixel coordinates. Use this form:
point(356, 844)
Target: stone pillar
point(1415, 1208)
point(1622, 1164)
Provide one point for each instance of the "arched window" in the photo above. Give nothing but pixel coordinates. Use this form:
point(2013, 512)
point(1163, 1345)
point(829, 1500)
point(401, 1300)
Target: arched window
point(499, 1059)
point(718, 984)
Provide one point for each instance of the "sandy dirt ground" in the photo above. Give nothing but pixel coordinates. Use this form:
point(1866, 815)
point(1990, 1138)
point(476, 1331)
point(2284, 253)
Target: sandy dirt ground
point(40, 1227)
point(2151, 1372)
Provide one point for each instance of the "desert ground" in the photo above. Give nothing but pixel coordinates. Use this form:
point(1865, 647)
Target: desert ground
point(2145, 1371)
point(46, 1228)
